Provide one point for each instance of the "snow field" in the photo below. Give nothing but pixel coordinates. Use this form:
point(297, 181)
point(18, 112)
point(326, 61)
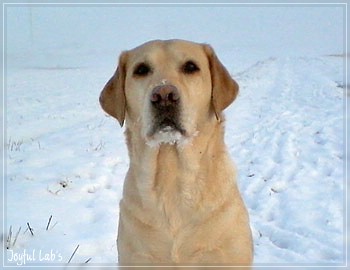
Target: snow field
point(61, 164)
point(287, 140)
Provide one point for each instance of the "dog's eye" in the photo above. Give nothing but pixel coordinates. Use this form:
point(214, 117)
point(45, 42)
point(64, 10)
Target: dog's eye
point(142, 70)
point(190, 67)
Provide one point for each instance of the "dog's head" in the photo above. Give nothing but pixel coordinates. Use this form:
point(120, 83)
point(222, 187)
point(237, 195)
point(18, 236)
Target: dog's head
point(169, 89)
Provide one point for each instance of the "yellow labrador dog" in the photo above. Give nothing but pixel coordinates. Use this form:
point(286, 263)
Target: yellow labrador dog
point(181, 204)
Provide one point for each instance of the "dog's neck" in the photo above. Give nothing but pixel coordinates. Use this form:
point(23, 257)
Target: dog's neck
point(179, 182)
point(169, 175)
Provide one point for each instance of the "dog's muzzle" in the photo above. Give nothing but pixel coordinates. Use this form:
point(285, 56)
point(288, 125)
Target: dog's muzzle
point(165, 106)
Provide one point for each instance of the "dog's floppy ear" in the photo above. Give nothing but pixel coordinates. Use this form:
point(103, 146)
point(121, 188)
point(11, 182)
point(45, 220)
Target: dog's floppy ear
point(224, 88)
point(112, 97)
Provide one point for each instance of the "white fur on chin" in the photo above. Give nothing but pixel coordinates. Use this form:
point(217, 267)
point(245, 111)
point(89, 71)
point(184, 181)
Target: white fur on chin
point(169, 136)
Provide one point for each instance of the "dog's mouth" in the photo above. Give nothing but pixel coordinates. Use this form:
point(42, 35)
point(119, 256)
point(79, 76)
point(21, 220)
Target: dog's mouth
point(166, 125)
point(166, 129)
point(169, 125)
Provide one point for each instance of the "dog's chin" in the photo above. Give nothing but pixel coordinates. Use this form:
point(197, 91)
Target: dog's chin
point(167, 134)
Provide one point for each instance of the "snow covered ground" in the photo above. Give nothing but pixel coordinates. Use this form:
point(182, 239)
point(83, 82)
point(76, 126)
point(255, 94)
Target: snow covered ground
point(66, 159)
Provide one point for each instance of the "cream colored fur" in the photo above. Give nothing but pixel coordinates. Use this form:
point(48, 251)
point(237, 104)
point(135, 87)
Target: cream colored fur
point(181, 204)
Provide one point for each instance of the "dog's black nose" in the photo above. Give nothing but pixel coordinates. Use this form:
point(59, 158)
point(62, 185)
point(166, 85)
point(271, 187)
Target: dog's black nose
point(165, 95)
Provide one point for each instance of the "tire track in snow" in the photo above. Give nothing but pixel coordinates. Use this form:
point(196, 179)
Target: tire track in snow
point(290, 158)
